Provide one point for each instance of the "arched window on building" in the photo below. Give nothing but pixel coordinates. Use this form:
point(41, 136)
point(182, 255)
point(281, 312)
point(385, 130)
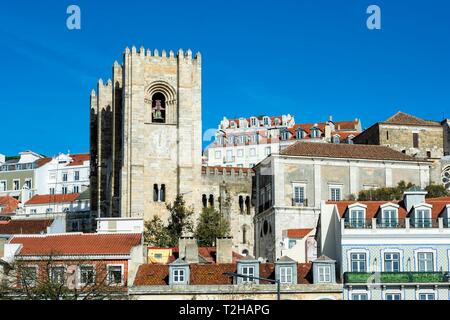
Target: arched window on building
point(158, 108)
point(211, 200)
point(205, 201)
point(162, 193)
point(247, 204)
point(241, 204)
point(155, 192)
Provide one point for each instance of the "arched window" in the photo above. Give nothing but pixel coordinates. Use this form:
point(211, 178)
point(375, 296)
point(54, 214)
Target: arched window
point(241, 204)
point(162, 193)
point(204, 201)
point(158, 108)
point(155, 192)
point(211, 200)
point(247, 204)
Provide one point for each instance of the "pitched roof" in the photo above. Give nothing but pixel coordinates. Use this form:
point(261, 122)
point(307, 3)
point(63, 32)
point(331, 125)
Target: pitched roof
point(78, 159)
point(298, 233)
point(352, 151)
point(373, 207)
point(77, 244)
point(42, 161)
point(209, 254)
point(25, 226)
point(211, 274)
point(52, 198)
point(8, 205)
point(402, 118)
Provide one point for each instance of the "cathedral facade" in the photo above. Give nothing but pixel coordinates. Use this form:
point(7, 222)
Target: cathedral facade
point(146, 144)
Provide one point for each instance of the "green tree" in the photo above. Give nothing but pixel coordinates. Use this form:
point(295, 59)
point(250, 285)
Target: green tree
point(436, 191)
point(180, 220)
point(211, 225)
point(385, 194)
point(156, 233)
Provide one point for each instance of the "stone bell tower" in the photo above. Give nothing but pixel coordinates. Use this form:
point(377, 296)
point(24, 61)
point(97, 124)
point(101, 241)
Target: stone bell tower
point(146, 134)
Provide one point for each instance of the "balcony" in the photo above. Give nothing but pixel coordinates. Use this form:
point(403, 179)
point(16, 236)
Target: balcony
point(424, 223)
point(299, 202)
point(358, 224)
point(396, 277)
point(391, 223)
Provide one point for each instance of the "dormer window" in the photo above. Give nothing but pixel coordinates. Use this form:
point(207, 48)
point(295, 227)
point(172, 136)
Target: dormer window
point(277, 122)
point(285, 135)
point(350, 139)
point(315, 133)
point(356, 217)
point(248, 271)
point(266, 121)
point(178, 275)
point(286, 275)
point(389, 217)
point(422, 218)
point(253, 121)
point(300, 134)
point(232, 124)
point(336, 139)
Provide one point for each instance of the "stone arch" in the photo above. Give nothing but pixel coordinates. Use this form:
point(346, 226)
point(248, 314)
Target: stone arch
point(170, 95)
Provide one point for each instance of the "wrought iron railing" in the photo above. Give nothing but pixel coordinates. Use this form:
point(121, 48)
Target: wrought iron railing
point(391, 223)
point(358, 223)
point(396, 277)
point(423, 223)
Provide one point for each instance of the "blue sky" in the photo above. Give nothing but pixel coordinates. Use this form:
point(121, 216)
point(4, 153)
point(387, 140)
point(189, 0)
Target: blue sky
point(308, 58)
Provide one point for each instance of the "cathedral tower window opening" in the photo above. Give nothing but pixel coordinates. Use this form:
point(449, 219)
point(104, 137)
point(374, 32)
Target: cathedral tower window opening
point(241, 204)
point(247, 204)
point(158, 108)
point(159, 193)
point(205, 201)
point(211, 200)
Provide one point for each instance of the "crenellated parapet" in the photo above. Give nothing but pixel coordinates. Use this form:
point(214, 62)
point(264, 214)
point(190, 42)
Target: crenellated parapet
point(163, 55)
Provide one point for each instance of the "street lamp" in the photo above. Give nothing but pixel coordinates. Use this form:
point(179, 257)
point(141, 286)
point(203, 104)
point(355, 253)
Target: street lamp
point(234, 274)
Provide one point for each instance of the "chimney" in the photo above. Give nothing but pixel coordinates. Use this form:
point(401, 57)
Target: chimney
point(224, 250)
point(413, 196)
point(188, 249)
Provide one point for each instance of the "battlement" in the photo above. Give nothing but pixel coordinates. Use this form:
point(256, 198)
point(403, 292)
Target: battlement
point(147, 54)
point(228, 171)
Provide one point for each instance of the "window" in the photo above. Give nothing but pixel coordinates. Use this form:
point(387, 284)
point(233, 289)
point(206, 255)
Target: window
point(387, 135)
point(247, 204)
point(158, 256)
point(390, 218)
point(253, 122)
point(299, 194)
point(269, 194)
point(162, 193)
point(155, 193)
point(252, 152)
point(3, 185)
point(393, 296)
point(57, 275)
point(292, 243)
point(268, 151)
point(266, 121)
point(428, 154)
point(27, 183)
point(358, 262)
point(33, 211)
point(422, 218)
point(87, 275)
point(286, 275)
point(16, 184)
point(415, 140)
point(29, 276)
point(300, 134)
point(392, 262)
point(315, 133)
point(64, 176)
point(115, 274)
point(360, 296)
point(335, 193)
point(285, 135)
point(178, 275)
point(205, 201)
point(211, 200)
point(336, 139)
point(76, 189)
point(241, 204)
point(357, 218)
point(248, 271)
point(51, 191)
point(217, 154)
point(324, 273)
point(76, 176)
point(49, 210)
point(65, 190)
point(159, 108)
point(229, 155)
point(426, 296)
point(240, 153)
point(425, 261)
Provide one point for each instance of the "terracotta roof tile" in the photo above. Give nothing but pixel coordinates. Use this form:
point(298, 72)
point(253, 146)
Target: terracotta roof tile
point(298, 233)
point(8, 205)
point(77, 244)
point(402, 118)
point(78, 159)
point(25, 226)
point(53, 198)
point(331, 150)
point(211, 274)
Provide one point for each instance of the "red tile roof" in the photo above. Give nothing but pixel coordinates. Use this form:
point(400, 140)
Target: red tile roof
point(77, 244)
point(42, 161)
point(373, 207)
point(402, 118)
point(211, 274)
point(209, 253)
point(8, 205)
point(298, 233)
point(78, 159)
point(25, 226)
point(331, 150)
point(53, 198)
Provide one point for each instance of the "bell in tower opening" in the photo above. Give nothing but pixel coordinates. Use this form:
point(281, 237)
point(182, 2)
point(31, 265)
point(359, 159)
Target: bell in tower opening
point(159, 108)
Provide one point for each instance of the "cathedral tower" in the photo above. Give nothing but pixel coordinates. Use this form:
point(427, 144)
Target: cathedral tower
point(146, 134)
